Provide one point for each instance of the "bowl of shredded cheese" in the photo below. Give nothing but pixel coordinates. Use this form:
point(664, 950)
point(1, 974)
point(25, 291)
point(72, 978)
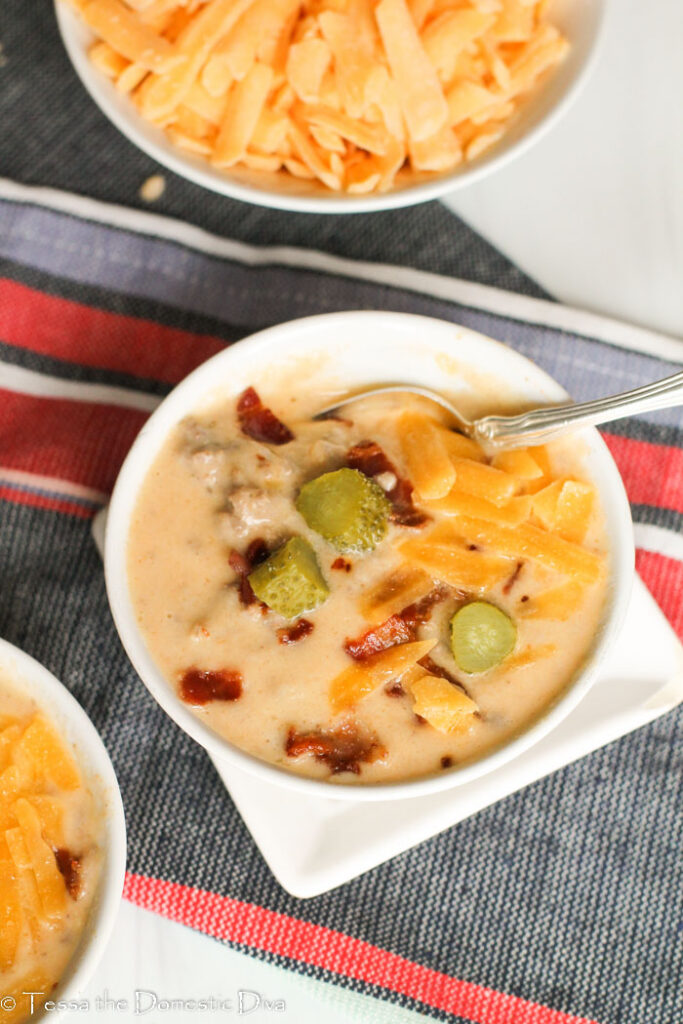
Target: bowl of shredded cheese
point(332, 107)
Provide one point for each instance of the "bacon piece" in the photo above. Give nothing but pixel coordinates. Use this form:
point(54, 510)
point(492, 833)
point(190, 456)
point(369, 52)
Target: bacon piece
point(239, 562)
point(435, 669)
point(242, 564)
point(419, 612)
point(400, 628)
point(404, 512)
point(371, 460)
point(394, 630)
point(343, 749)
point(242, 567)
point(70, 867)
point(341, 564)
point(198, 686)
point(293, 634)
point(257, 552)
point(259, 422)
point(510, 582)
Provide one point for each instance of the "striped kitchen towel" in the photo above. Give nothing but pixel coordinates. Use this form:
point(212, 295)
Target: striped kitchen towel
point(559, 905)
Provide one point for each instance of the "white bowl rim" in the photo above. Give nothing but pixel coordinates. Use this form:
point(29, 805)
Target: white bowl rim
point(57, 703)
point(136, 466)
point(422, 192)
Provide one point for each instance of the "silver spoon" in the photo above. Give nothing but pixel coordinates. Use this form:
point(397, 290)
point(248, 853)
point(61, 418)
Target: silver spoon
point(496, 433)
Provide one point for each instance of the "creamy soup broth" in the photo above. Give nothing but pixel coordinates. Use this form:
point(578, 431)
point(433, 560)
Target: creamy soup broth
point(212, 490)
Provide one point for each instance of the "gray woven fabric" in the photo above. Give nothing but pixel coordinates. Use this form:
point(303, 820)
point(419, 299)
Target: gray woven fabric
point(53, 134)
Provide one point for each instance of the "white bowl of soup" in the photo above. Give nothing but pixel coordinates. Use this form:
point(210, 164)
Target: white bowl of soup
point(366, 606)
point(62, 843)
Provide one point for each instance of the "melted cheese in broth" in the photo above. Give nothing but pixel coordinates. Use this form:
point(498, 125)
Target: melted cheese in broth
point(50, 852)
point(212, 489)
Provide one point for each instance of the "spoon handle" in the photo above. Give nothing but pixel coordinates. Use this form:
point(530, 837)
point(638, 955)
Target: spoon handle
point(543, 424)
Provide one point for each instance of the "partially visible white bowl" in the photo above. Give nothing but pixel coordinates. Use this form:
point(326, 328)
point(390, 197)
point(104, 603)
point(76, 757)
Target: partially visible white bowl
point(29, 677)
point(349, 351)
point(580, 20)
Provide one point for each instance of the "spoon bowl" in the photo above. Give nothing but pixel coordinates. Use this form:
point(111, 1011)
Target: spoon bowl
point(503, 433)
point(346, 354)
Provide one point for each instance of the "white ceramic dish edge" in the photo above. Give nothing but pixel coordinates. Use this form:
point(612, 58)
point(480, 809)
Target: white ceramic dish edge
point(32, 678)
point(238, 366)
point(312, 846)
point(582, 21)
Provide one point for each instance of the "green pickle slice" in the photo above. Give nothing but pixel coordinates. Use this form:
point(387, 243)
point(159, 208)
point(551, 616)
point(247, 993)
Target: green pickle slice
point(481, 636)
point(347, 508)
point(290, 581)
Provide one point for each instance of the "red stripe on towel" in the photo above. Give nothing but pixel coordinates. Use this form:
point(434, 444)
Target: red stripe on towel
point(663, 577)
point(83, 442)
point(52, 503)
point(652, 473)
point(63, 329)
point(333, 951)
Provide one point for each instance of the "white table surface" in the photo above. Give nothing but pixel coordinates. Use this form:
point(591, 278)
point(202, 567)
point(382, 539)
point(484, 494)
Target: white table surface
point(594, 213)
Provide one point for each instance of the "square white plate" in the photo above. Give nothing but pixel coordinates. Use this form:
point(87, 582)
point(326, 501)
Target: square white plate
point(312, 845)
